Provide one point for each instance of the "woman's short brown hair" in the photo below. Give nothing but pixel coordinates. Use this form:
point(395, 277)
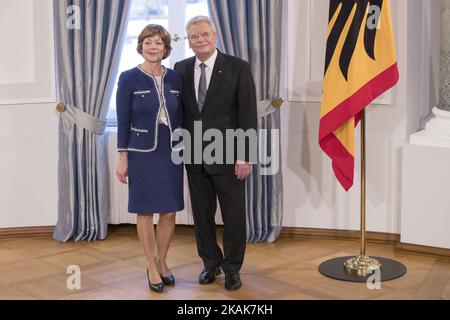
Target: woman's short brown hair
point(155, 30)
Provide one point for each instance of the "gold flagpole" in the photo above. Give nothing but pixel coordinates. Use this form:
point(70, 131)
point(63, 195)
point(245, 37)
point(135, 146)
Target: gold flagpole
point(360, 268)
point(362, 265)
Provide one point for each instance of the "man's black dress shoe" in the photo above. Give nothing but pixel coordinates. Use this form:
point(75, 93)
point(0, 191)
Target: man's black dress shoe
point(232, 281)
point(208, 275)
point(168, 281)
point(156, 287)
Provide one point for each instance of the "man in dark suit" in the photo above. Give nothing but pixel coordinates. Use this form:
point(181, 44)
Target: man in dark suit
point(218, 93)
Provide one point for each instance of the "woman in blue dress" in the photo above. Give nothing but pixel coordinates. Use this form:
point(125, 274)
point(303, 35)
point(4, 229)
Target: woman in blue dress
point(149, 109)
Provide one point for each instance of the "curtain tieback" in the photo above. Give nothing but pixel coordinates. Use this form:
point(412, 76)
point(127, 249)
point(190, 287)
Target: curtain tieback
point(81, 118)
point(266, 107)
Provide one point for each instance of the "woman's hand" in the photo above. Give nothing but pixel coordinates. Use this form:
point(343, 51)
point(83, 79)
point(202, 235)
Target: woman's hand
point(122, 167)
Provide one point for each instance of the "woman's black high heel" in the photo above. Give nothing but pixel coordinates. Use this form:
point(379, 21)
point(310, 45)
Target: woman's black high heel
point(156, 287)
point(168, 281)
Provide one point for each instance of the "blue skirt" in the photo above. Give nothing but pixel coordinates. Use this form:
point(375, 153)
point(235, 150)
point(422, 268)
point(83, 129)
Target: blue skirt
point(155, 183)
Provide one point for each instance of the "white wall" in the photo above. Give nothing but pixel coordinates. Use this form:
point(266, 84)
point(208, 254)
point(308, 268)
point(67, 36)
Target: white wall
point(28, 120)
point(28, 162)
point(312, 196)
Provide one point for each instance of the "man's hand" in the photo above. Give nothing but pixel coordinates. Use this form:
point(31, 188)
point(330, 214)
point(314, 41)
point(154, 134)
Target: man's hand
point(242, 170)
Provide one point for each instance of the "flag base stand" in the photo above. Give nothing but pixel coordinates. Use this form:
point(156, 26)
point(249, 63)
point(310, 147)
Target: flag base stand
point(359, 269)
point(362, 267)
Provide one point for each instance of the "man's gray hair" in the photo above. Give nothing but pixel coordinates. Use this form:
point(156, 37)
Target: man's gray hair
point(200, 19)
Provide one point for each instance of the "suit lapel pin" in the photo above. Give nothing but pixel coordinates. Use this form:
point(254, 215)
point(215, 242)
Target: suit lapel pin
point(220, 71)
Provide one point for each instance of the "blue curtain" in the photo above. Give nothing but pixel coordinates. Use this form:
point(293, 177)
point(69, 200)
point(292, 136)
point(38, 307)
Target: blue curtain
point(89, 36)
point(251, 30)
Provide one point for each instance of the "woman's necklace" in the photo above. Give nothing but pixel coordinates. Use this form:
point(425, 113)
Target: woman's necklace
point(156, 73)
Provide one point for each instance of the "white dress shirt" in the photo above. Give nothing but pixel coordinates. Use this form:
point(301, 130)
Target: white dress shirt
point(208, 71)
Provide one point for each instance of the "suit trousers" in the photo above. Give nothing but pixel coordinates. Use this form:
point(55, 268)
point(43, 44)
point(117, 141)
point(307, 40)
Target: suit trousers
point(204, 190)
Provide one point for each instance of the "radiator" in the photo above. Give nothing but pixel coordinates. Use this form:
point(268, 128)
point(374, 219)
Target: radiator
point(118, 192)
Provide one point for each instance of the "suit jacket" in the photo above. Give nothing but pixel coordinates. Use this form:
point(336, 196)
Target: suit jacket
point(138, 104)
point(230, 103)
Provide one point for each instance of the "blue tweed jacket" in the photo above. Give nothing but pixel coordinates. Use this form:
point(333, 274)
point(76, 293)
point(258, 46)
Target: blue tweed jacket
point(138, 103)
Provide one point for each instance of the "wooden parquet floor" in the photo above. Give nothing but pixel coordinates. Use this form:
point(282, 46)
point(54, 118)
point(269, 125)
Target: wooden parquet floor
point(36, 268)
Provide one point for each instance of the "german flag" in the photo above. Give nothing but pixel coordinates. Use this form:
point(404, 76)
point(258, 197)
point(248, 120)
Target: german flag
point(360, 65)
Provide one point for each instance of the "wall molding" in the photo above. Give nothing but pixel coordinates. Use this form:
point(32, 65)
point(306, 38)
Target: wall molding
point(26, 232)
point(301, 85)
point(416, 248)
point(37, 83)
point(286, 232)
point(373, 237)
point(337, 234)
